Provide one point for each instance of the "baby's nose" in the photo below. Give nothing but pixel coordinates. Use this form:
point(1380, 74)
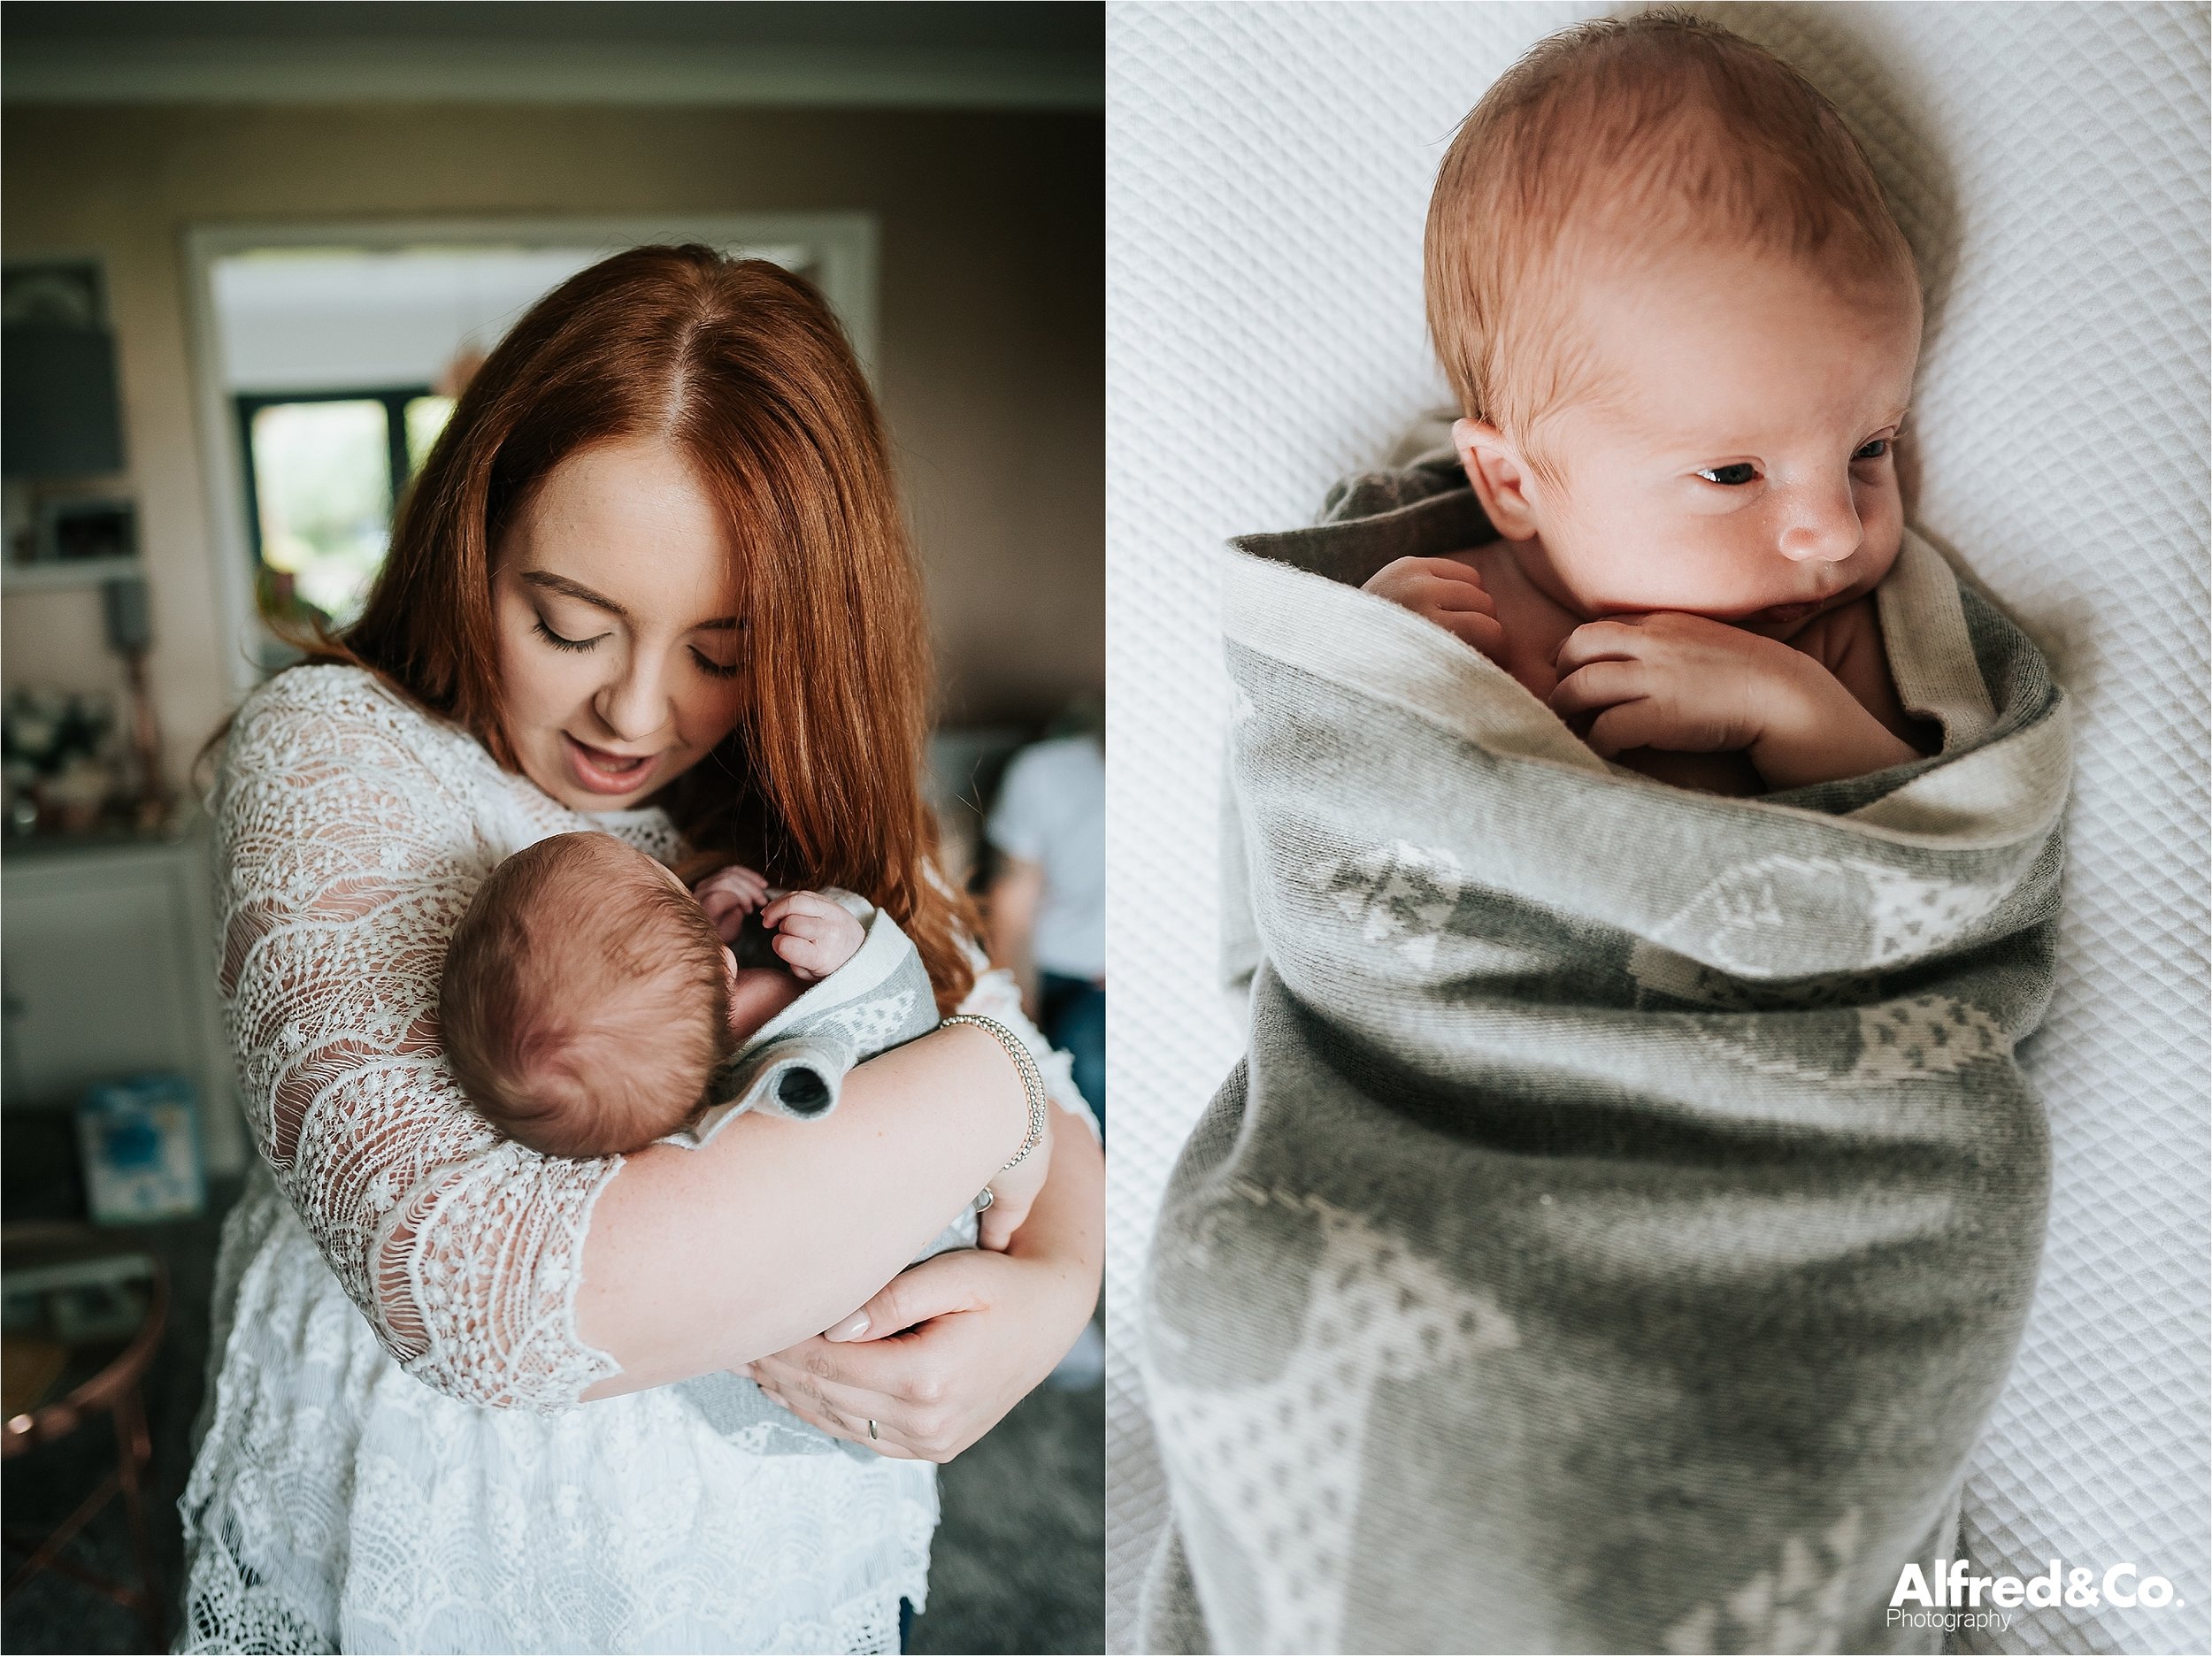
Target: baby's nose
point(1827, 534)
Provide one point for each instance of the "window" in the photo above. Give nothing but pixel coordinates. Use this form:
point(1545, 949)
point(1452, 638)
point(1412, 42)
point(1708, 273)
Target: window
point(324, 472)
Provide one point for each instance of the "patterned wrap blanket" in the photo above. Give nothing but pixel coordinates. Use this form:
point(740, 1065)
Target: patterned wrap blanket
point(1622, 1223)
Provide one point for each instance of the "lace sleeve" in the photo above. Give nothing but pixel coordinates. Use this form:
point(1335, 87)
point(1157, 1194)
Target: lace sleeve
point(350, 835)
point(996, 995)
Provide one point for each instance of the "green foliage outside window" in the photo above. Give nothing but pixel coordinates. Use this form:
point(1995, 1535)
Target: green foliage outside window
point(324, 472)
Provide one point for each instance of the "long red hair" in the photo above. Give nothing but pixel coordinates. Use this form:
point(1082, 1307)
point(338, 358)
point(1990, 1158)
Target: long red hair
point(740, 366)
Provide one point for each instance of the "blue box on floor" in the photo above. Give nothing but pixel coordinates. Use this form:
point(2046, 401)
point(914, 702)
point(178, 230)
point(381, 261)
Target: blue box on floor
point(140, 1139)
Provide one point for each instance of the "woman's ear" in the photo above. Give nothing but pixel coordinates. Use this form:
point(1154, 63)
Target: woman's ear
point(1500, 475)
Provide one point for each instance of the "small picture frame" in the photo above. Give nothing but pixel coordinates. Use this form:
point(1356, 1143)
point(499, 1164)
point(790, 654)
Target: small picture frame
point(80, 531)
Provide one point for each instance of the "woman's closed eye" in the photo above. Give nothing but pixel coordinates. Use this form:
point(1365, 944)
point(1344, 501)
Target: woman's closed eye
point(713, 667)
point(558, 641)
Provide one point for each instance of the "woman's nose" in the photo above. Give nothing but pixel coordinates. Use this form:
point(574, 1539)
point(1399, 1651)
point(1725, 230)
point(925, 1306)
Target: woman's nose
point(634, 705)
point(1826, 529)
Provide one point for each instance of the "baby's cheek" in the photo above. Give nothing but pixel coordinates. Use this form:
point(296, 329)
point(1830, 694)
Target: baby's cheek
point(1884, 532)
point(1881, 510)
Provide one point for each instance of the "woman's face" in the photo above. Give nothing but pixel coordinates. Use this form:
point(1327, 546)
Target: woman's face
point(615, 599)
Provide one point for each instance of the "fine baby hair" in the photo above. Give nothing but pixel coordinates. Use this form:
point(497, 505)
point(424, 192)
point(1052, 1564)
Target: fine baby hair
point(584, 998)
point(1606, 143)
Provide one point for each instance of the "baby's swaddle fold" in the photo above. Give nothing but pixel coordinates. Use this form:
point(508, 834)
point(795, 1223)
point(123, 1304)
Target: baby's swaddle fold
point(1624, 1219)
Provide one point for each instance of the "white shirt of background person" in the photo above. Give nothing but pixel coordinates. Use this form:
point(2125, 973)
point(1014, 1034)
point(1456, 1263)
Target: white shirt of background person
point(1051, 816)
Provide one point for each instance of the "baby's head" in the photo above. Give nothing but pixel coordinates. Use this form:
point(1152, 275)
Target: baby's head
point(585, 998)
point(1681, 322)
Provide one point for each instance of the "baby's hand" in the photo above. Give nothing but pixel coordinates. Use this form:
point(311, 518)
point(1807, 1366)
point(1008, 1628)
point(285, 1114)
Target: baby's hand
point(1448, 592)
point(1688, 684)
point(814, 934)
point(728, 895)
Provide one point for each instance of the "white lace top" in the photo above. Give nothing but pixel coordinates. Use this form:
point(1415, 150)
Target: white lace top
point(351, 832)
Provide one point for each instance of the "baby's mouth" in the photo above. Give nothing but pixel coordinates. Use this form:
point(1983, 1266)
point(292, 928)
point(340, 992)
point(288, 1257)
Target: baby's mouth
point(1783, 614)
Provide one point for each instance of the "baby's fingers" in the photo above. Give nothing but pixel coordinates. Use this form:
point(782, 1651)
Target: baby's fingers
point(1601, 640)
point(814, 946)
point(1448, 569)
point(1429, 594)
point(1482, 631)
point(1601, 684)
point(1400, 571)
point(812, 904)
point(743, 881)
point(725, 913)
point(1640, 723)
point(727, 896)
point(807, 957)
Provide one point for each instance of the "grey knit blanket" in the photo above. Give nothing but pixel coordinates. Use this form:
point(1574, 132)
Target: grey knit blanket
point(1622, 1223)
point(795, 1066)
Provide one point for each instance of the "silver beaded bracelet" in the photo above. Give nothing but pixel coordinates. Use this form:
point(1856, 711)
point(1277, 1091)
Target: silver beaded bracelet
point(1025, 1066)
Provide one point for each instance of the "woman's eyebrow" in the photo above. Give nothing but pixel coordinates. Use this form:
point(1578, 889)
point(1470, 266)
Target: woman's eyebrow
point(584, 595)
point(573, 589)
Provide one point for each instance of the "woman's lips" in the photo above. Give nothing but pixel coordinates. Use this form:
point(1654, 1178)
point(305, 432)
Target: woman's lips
point(599, 771)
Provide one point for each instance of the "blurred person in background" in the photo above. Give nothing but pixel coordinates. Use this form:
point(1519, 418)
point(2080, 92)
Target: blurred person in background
point(1046, 903)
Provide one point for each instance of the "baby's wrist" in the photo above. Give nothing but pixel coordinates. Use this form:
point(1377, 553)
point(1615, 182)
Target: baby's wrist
point(1816, 731)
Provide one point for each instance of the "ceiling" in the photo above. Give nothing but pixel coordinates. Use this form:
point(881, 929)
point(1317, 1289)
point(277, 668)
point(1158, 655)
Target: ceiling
point(1044, 54)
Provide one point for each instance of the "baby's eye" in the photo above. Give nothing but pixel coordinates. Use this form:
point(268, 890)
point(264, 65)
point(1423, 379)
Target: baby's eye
point(1874, 450)
point(1731, 476)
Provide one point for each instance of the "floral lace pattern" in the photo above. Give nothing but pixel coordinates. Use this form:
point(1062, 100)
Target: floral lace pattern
point(390, 1238)
point(350, 833)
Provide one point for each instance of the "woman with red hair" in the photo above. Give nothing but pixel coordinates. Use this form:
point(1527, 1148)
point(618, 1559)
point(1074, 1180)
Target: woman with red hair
point(653, 579)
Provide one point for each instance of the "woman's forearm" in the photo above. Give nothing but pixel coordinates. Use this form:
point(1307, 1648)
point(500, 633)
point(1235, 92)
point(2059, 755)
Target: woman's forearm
point(700, 1260)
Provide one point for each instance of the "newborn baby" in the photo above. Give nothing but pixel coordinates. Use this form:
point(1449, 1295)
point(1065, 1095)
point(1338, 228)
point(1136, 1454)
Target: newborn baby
point(1684, 350)
point(589, 999)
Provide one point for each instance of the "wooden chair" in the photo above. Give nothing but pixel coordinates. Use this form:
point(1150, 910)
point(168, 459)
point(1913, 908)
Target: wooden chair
point(114, 1389)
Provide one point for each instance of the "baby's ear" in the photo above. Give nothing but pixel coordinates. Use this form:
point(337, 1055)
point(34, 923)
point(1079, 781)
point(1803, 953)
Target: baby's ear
point(729, 966)
point(1500, 475)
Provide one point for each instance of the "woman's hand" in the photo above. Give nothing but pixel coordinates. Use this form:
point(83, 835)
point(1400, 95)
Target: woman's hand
point(1014, 1191)
point(938, 1357)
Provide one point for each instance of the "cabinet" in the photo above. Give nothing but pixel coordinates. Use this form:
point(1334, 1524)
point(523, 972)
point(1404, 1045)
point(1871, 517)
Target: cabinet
point(107, 952)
